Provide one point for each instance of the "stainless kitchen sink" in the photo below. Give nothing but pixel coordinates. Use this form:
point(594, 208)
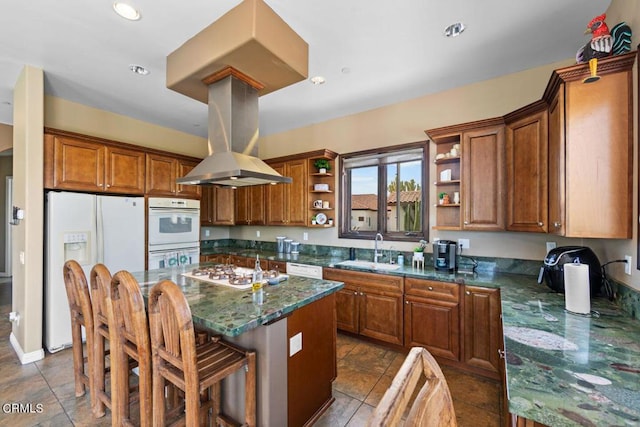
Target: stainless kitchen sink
point(369, 265)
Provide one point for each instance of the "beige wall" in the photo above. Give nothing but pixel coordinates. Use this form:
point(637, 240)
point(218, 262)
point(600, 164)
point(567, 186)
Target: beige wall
point(28, 195)
point(71, 116)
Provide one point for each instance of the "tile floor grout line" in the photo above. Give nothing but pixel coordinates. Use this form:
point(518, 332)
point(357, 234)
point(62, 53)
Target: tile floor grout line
point(44, 377)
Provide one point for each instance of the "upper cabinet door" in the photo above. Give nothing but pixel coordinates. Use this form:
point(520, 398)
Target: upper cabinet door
point(556, 163)
point(297, 192)
point(124, 171)
point(483, 179)
point(74, 164)
point(160, 175)
point(183, 168)
point(276, 199)
point(526, 165)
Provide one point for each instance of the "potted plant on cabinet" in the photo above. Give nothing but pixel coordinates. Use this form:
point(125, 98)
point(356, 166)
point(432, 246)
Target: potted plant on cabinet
point(323, 165)
point(313, 220)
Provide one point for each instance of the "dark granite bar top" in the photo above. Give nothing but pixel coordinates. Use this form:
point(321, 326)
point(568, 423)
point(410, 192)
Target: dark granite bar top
point(562, 369)
point(230, 311)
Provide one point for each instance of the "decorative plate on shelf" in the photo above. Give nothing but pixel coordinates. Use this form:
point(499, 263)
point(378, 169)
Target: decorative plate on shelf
point(321, 218)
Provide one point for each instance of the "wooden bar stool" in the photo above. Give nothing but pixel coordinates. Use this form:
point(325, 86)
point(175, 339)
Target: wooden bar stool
point(129, 338)
point(100, 283)
point(195, 370)
point(432, 407)
point(75, 283)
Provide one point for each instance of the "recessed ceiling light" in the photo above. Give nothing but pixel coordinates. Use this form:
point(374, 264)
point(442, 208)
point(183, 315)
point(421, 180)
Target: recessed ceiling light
point(5, 103)
point(126, 11)
point(454, 30)
point(345, 70)
point(139, 69)
point(317, 80)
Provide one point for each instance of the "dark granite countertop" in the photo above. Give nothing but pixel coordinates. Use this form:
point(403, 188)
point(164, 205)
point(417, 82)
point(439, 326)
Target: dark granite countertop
point(230, 311)
point(562, 369)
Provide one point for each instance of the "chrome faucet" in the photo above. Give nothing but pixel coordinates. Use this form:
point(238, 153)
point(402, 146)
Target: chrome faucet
point(377, 254)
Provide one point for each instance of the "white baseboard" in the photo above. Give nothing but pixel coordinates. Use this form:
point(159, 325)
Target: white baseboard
point(25, 357)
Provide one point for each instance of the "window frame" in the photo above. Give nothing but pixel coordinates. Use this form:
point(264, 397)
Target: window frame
point(344, 214)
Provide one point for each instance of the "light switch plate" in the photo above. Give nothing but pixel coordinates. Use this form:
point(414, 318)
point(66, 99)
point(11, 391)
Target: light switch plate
point(295, 344)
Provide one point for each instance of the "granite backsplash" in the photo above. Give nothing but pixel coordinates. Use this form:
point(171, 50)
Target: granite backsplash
point(628, 299)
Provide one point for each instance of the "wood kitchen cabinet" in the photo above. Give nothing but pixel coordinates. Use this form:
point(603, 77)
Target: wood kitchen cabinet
point(250, 206)
point(74, 162)
point(526, 169)
point(483, 179)
point(287, 203)
point(162, 172)
point(432, 317)
point(482, 330)
point(370, 304)
point(476, 172)
point(591, 150)
point(215, 258)
point(217, 205)
point(248, 262)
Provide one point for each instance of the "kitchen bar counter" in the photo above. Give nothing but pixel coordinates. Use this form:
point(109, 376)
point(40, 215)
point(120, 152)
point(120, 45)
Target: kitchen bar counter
point(562, 369)
point(232, 312)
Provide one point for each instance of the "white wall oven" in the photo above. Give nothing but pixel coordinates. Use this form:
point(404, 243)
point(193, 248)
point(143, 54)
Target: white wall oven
point(173, 232)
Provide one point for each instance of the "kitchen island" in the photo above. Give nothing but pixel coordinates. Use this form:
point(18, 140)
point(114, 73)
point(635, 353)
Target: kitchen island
point(293, 332)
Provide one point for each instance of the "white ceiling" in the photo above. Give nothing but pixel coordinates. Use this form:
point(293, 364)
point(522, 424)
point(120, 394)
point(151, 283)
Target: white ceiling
point(394, 50)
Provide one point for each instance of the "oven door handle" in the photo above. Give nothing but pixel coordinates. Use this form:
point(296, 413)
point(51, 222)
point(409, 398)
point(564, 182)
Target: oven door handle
point(173, 211)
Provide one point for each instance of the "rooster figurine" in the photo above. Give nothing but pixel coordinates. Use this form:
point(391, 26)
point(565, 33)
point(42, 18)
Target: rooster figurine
point(604, 42)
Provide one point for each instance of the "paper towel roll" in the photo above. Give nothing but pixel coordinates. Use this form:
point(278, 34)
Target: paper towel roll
point(577, 296)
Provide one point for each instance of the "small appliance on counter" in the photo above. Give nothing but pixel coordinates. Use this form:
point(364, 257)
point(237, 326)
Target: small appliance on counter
point(445, 255)
point(552, 271)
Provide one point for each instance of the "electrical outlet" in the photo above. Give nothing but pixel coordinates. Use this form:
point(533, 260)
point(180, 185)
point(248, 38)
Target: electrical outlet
point(207, 233)
point(627, 265)
point(463, 243)
point(305, 236)
point(257, 233)
point(550, 245)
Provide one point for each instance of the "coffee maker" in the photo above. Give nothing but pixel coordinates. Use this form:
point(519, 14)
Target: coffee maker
point(445, 255)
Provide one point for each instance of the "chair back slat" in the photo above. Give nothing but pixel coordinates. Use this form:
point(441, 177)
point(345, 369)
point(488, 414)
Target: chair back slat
point(100, 280)
point(433, 406)
point(129, 337)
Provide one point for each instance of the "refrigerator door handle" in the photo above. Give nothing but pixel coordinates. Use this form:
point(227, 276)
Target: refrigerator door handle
point(99, 232)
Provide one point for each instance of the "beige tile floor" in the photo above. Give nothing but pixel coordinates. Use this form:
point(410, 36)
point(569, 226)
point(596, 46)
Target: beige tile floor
point(364, 372)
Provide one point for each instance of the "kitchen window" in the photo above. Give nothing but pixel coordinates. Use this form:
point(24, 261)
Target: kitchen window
point(383, 191)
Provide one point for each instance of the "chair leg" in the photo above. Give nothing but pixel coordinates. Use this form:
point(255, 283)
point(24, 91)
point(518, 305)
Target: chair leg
point(158, 386)
point(78, 358)
point(145, 392)
point(250, 390)
point(99, 376)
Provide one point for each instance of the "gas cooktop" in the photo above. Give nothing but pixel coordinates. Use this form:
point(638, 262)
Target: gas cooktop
point(230, 275)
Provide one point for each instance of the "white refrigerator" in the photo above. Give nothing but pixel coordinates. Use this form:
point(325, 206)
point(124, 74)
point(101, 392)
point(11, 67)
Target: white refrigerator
point(90, 229)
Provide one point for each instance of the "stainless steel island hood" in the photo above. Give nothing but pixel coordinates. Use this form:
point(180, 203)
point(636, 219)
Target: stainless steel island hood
point(248, 52)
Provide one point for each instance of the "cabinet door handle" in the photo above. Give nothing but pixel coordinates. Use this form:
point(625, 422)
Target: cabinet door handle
point(108, 185)
point(355, 292)
point(466, 223)
point(406, 302)
point(430, 288)
point(557, 224)
point(468, 292)
point(501, 353)
point(541, 224)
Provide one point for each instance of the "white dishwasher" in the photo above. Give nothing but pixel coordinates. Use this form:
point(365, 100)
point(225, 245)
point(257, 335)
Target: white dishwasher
point(304, 270)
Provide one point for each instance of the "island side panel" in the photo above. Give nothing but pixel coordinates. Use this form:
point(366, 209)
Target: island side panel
point(312, 369)
point(269, 343)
